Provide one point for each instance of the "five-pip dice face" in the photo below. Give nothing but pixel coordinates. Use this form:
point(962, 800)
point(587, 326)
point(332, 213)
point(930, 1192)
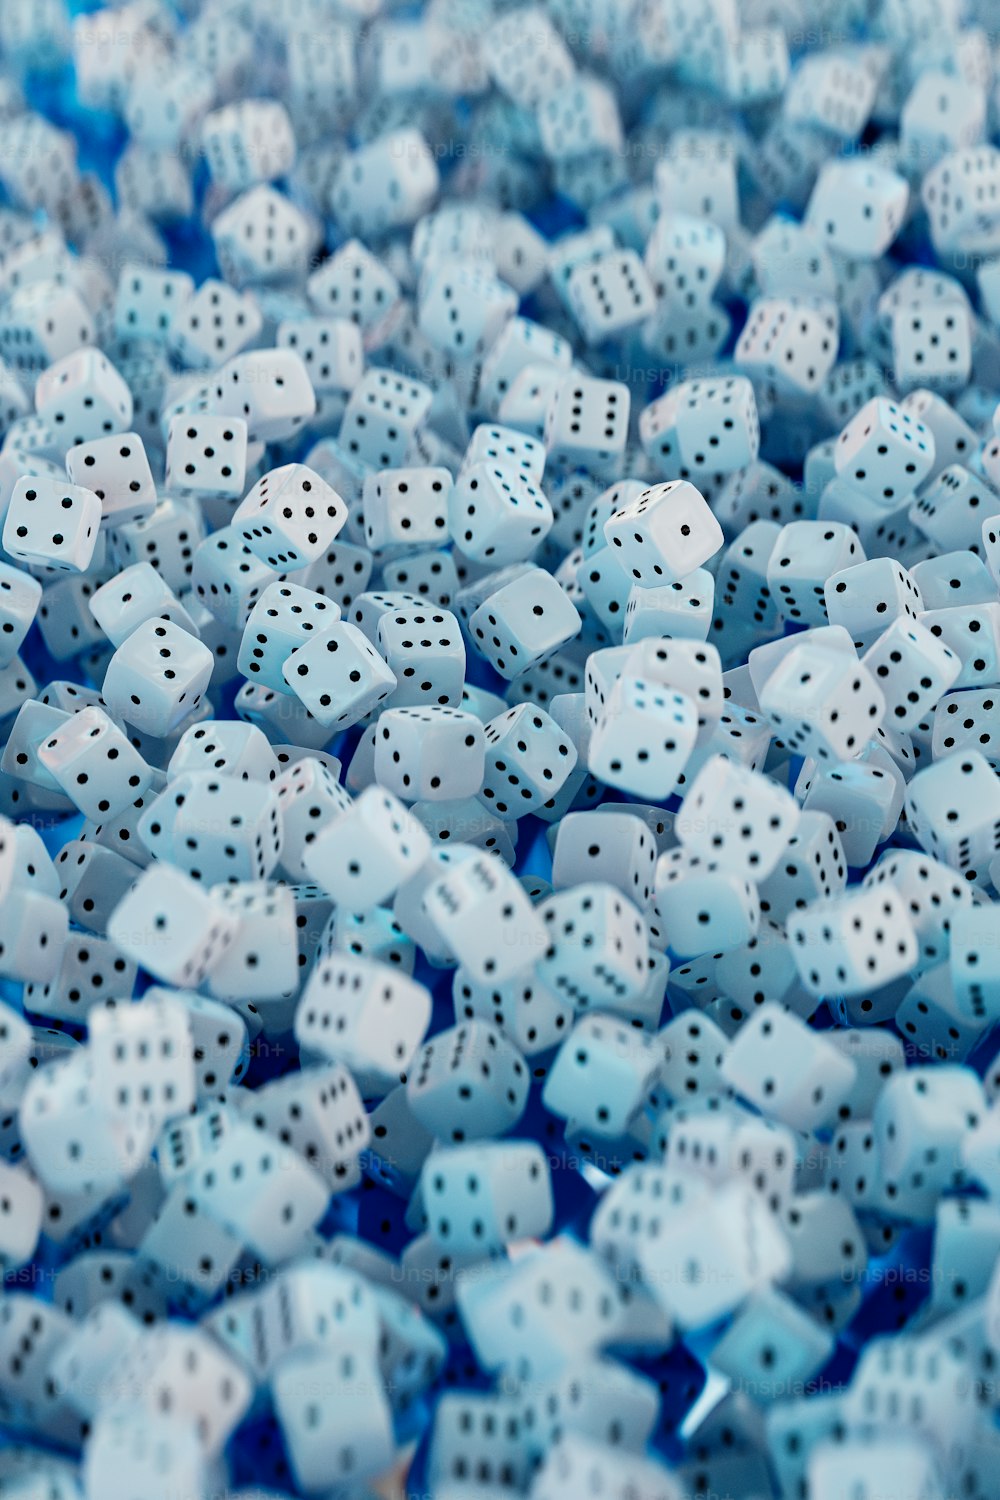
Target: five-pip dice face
point(913, 668)
point(52, 523)
point(207, 455)
point(932, 346)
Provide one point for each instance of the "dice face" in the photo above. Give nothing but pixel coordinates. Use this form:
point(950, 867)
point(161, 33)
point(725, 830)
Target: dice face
point(866, 946)
point(463, 308)
point(867, 598)
point(214, 324)
point(791, 340)
point(283, 618)
point(83, 396)
point(339, 676)
point(148, 300)
point(737, 818)
point(426, 654)
point(386, 184)
point(804, 555)
point(53, 524)
point(207, 455)
point(587, 423)
point(610, 296)
point(528, 758)
point(330, 349)
point(406, 508)
point(361, 875)
point(858, 208)
point(913, 669)
point(643, 737)
point(454, 1096)
point(356, 286)
point(823, 702)
point(496, 515)
point(524, 623)
point(382, 415)
point(117, 470)
point(716, 424)
point(95, 764)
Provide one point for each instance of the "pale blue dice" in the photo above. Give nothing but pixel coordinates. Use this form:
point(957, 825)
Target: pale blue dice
point(338, 676)
point(283, 618)
point(433, 752)
point(482, 1196)
point(524, 622)
point(602, 1074)
point(157, 677)
point(468, 1084)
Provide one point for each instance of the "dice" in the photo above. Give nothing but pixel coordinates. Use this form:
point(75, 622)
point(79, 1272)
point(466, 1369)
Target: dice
point(52, 524)
point(207, 455)
point(665, 534)
point(435, 752)
point(157, 676)
point(467, 1084)
point(290, 517)
point(481, 1196)
point(737, 818)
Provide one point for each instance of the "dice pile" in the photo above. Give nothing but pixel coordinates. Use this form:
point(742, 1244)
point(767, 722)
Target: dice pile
point(500, 771)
